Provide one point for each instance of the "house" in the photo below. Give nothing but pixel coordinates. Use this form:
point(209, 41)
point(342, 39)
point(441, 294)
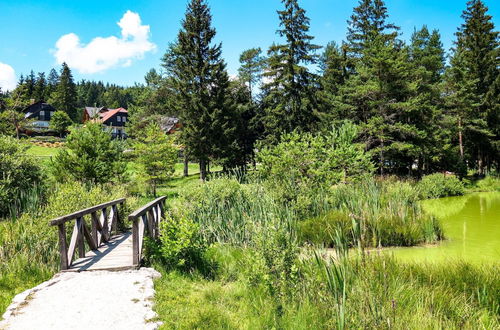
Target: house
point(41, 113)
point(169, 125)
point(115, 119)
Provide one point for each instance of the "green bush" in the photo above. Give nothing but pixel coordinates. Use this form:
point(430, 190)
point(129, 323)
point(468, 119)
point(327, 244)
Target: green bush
point(21, 178)
point(90, 156)
point(321, 230)
point(438, 185)
point(303, 164)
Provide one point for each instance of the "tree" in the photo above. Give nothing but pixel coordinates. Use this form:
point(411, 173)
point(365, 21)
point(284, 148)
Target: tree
point(64, 97)
point(90, 156)
point(252, 64)
point(472, 86)
point(52, 81)
point(289, 97)
point(60, 122)
point(200, 83)
point(39, 92)
point(377, 96)
point(157, 154)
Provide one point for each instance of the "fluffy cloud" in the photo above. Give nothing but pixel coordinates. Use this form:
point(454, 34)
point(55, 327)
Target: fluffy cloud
point(104, 53)
point(7, 77)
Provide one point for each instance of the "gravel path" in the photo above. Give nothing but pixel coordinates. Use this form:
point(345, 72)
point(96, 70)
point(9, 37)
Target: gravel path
point(87, 300)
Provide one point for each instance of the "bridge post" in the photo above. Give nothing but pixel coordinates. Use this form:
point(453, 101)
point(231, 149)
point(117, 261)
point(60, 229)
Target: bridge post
point(63, 246)
point(135, 242)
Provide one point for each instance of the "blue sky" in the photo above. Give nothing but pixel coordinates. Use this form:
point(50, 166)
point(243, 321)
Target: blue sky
point(39, 34)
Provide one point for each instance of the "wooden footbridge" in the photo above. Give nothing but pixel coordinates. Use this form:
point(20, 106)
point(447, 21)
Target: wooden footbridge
point(100, 244)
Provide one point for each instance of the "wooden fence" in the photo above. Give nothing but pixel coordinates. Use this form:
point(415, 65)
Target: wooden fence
point(102, 226)
point(145, 220)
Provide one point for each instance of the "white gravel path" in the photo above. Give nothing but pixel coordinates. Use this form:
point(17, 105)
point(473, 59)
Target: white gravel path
point(87, 300)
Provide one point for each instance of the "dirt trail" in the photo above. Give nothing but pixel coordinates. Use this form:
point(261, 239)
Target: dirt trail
point(88, 300)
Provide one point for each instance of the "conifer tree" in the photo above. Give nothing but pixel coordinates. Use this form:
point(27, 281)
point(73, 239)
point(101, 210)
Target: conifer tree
point(252, 64)
point(472, 79)
point(199, 76)
point(39, 93)
point(289, 97)
point(64, 97)
point(52, 81)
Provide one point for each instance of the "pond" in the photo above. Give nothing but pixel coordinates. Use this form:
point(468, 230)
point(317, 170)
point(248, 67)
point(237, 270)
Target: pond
point(471, 225)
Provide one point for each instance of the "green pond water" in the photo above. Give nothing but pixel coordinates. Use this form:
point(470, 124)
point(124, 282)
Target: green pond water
point(471, 225)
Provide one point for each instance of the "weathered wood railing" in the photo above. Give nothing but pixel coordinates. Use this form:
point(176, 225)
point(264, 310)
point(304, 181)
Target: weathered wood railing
point(145, 220)
point(102, 226)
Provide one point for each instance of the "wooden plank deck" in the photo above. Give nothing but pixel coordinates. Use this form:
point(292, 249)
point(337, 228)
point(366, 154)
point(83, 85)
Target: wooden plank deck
point(114, 255)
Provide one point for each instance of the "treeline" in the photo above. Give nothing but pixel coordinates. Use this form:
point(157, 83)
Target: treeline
point(418, 112)
point(60, 90)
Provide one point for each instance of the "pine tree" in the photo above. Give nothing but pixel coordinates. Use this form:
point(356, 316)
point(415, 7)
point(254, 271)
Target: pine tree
point(377, 95)
point(369, 22)
point(427, 62)
point(65, 97)
point(30, 86)
point(52, 81)
point(250, 71)
point(39, 93)
point(200, 80)
point(289, 97)
point(472, 81)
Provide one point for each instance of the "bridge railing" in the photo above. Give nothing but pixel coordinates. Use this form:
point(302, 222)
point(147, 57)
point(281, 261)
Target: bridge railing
point(145, 220)
point(103, 223)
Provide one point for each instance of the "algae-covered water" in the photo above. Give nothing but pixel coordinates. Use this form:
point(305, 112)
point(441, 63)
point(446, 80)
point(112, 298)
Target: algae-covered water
point(471, 225)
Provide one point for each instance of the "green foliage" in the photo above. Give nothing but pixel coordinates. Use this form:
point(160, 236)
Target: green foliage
point(157, 154)
point(21, 178)
point(490, 183)
point(64, 97)
point(440, 185)
point(289, 98)
point(90, 156)
point(303, 164)
point(60, 122)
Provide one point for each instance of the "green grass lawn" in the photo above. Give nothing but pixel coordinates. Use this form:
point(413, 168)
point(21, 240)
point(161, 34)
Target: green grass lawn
point(41, 152)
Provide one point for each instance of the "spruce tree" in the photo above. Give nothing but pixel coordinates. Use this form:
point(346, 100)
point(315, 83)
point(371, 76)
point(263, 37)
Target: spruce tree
point(64, 97)
point(52, 81)
point(39, 93)
point(471, 82)
point(250, 71)
point(289, 97)
point(199, 77)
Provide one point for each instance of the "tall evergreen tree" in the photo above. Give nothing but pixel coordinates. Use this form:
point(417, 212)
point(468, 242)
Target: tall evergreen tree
point(250, 71)
point(52, 81)
point(39, 93)
point(289, 97)
point(65, 97)
point(472, 81)
point(199, 77)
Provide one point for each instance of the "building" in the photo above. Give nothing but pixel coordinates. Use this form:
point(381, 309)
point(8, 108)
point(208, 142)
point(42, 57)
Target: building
point(41, 113)
point(115, 119)
point(169, 125)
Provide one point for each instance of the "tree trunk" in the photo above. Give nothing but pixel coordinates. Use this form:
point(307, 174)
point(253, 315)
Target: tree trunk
point(203, 170)
point(460, 138)
point(186, 164)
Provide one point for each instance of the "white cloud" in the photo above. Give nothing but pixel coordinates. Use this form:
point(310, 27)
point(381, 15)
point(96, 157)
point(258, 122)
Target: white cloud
point(103, 53)
point(7, 77)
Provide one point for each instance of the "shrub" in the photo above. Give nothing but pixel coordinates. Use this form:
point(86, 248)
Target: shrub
point(302, 164)
point(21, 178)
point(60, 122)
point(438, 185)
point(321, 230)
point(490, 183)
point(90, 156)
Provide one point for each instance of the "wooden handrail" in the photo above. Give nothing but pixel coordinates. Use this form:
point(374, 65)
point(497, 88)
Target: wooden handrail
point(81, 213)
point(145, 220)
point(102, 225)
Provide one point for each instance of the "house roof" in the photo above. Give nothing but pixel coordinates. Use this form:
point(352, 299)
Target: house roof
point(110, 113)
point(36, 108)
point(92, 112)
point(168, 123)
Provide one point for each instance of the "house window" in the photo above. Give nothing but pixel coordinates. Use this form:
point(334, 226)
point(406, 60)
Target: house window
point(51, 114)
point(119, 118)
point(42, 114)
point(124, 119)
